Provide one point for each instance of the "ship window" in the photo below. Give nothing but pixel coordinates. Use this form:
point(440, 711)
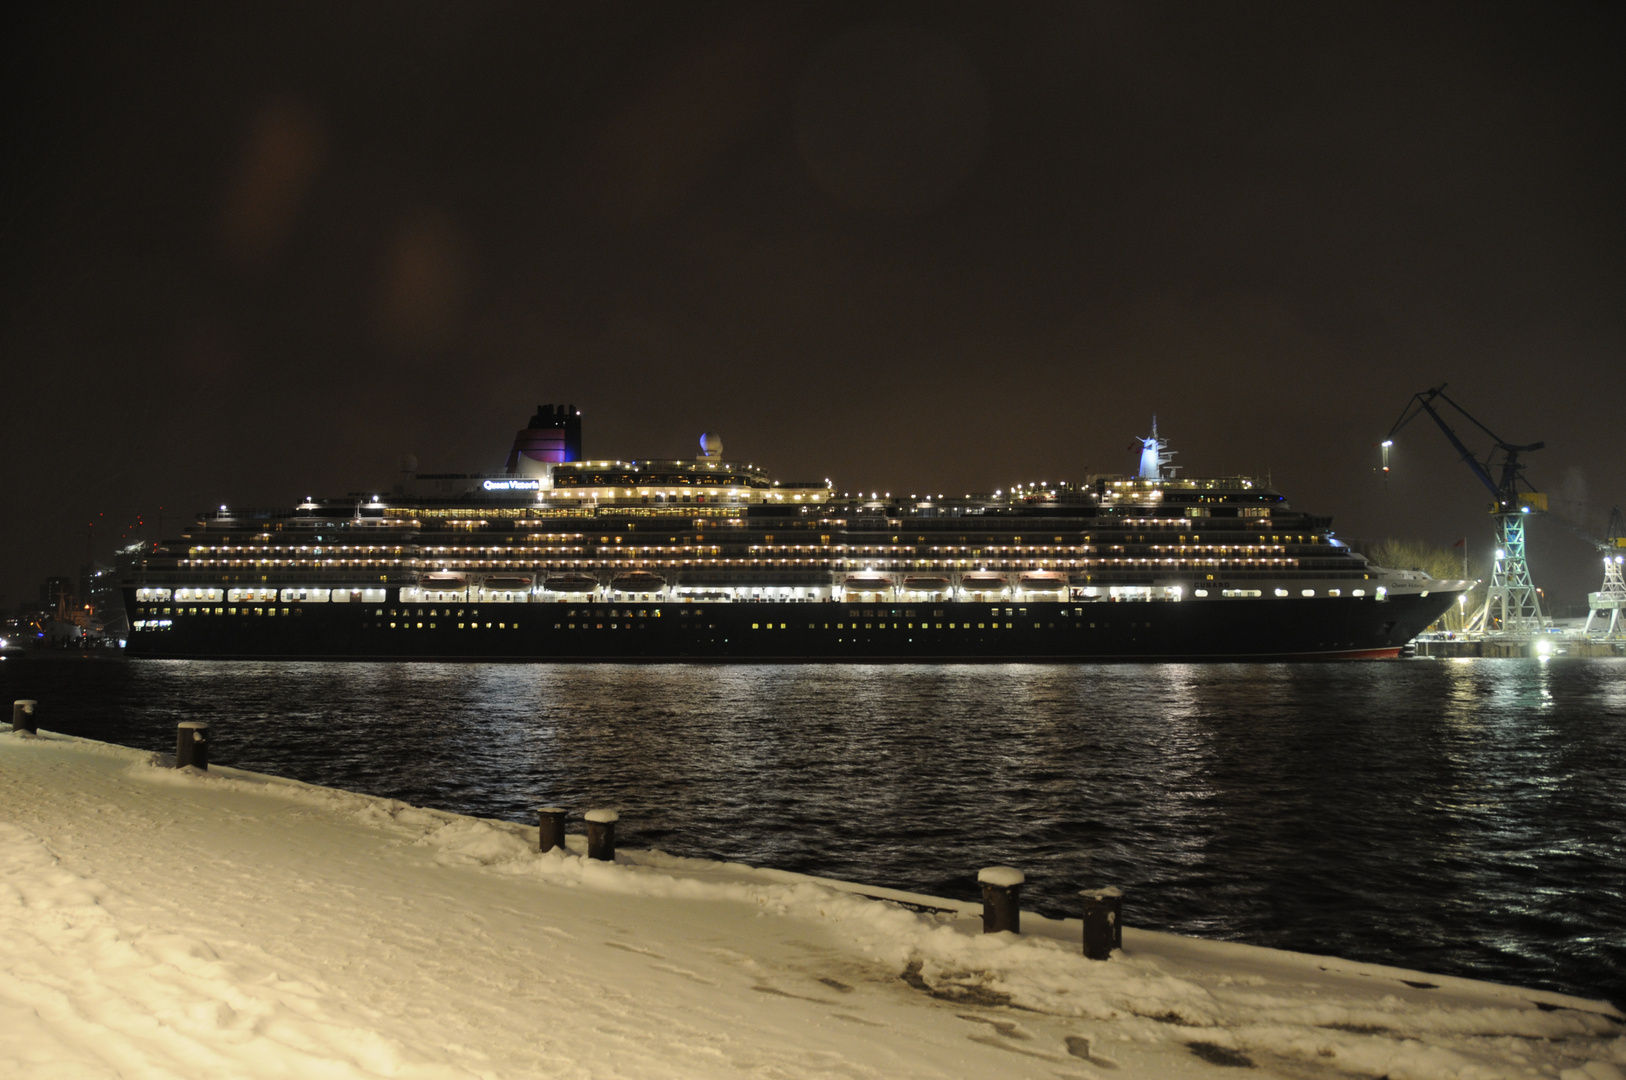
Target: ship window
point(981, 626)
point(392, 626)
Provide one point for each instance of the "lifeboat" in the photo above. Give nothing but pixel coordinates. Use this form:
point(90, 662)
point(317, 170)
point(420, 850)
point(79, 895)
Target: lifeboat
point(867, 583)
point(925, 583)
point(442, 582)
point(570, 583)
point(983, 582)
point(638, 581)
point(1042, 580)
point(506, 584)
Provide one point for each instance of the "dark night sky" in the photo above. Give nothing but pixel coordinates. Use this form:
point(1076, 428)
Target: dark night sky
point(255, 252)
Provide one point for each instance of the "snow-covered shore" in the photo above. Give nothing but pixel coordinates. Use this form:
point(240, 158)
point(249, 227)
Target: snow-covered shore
point(164, 923)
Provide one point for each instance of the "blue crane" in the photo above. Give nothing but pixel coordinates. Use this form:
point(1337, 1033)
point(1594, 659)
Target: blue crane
point(1512, 605)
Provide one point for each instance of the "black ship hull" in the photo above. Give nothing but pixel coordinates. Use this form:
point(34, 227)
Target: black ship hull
point(1320, 628)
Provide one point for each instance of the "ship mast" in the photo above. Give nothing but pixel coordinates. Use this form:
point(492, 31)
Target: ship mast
point(1155, 456)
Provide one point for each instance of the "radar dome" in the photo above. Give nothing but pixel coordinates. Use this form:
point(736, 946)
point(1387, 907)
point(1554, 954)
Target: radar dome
point(711, 445)
point(409, 463)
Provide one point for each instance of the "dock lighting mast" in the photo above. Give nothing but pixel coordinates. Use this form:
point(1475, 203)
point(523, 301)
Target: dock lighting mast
point(1511, 604)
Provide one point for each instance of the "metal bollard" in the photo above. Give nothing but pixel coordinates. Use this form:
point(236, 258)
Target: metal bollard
point(1001, 899)
point(22, 716)
point(601, 834)
point(192, 744)
point(1103, 922)
point(550, 828)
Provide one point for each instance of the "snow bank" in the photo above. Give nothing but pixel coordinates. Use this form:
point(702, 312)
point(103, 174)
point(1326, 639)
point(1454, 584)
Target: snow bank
point(163, 922)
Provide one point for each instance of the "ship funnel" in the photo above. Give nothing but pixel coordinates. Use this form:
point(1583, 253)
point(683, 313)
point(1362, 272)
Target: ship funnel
point(554, 435)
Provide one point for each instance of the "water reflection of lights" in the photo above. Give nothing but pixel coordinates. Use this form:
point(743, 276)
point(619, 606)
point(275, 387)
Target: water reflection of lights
point(1475, 804)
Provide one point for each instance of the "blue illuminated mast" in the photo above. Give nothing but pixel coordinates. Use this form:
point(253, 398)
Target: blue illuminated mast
point(1155, 456)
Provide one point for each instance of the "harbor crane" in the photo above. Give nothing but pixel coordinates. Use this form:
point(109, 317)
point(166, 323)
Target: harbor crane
point(1511, 603)
point(1610, 601)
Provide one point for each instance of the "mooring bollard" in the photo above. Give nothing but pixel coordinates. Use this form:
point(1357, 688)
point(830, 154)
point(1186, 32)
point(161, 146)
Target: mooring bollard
point(22, 715)
point(550, 828)
point(1001, 899)
point(601, 834)
point(192, 744)
point(1103, 922)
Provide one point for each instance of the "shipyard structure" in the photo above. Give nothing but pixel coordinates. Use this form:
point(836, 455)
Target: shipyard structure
point(560, 557)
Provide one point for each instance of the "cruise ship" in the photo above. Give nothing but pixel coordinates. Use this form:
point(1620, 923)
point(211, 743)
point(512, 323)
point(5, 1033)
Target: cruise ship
point(563, 558)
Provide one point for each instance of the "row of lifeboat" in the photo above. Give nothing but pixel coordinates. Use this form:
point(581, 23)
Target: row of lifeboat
point(638, 581)
point(643, 581)
point(455, 582)
point(974, 581)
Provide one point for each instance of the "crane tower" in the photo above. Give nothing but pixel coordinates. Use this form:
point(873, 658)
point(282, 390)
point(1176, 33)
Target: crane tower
point(1611, 599)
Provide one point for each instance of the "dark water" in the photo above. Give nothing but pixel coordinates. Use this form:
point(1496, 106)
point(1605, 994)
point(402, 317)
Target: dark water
point(1462, 817)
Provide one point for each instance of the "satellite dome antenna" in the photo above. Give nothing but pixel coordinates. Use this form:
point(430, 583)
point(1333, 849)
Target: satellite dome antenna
point(711, 445)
